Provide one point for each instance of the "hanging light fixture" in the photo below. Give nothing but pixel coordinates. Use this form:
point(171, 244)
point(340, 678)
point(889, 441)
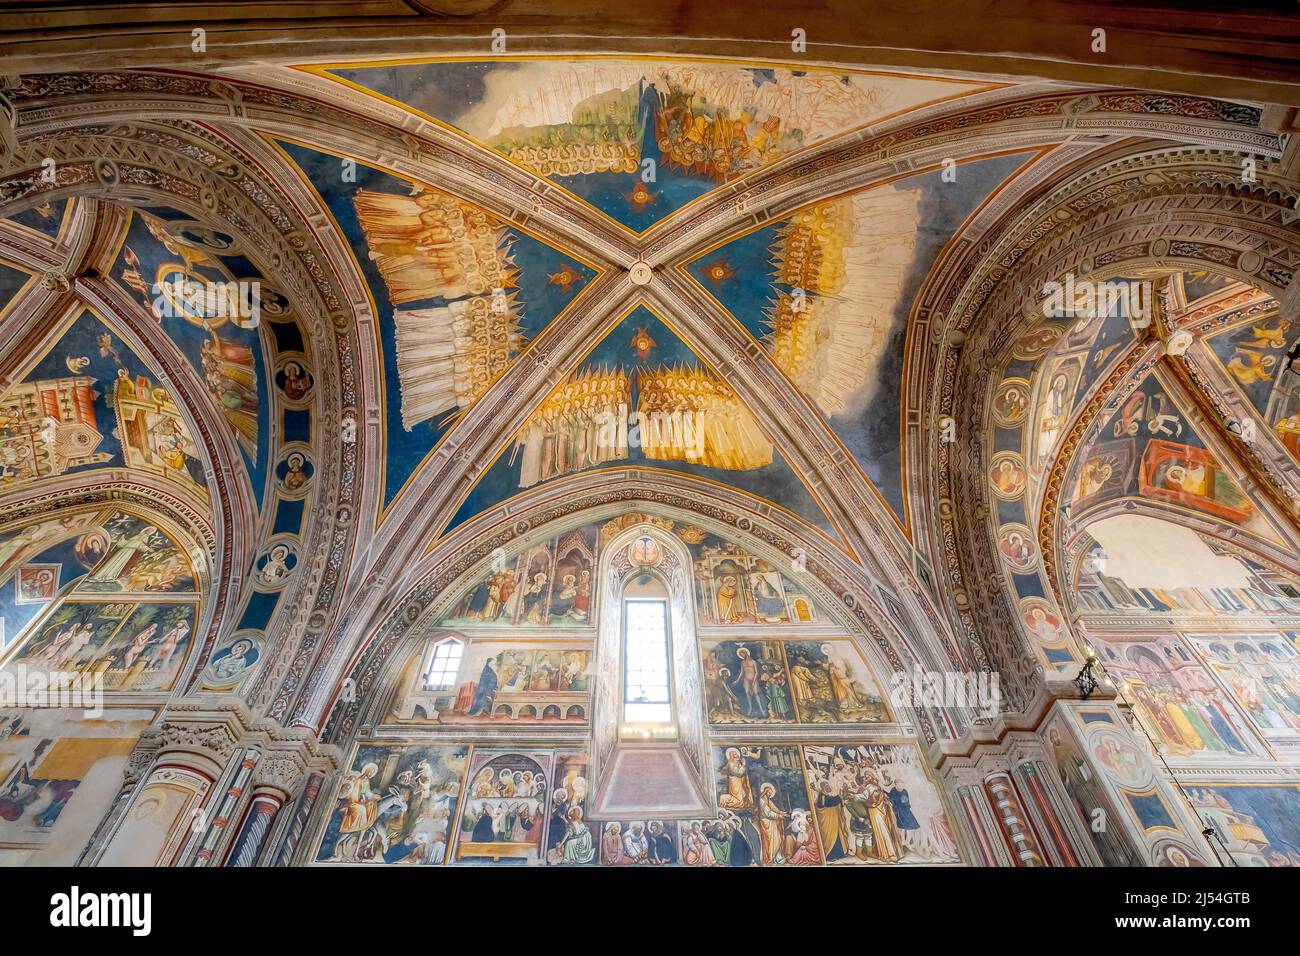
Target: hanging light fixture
point(1086, 680)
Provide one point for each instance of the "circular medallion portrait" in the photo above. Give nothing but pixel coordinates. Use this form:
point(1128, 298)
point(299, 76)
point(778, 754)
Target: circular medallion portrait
point(294, 380)
point(1035, 343)
point(233, 662)
point(1007, 475)
point(1011, 402)
point(273, 567)
point(1042, 620)
point(1017, 546)
point(1119, 757)
point(294, 472)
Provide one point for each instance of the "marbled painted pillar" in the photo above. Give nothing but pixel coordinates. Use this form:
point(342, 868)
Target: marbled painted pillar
point(1035, 790)
point(982, 826)
point(206, 786)
point(262, 810)
point(297, 825)
point(239, 774)
point(1011, 817)
point(276, 779)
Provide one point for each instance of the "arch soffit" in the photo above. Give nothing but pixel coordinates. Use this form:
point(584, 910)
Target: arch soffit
point(1031, 247)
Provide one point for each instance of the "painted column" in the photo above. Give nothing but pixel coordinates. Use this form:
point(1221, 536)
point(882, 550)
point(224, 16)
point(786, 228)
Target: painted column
point(162, 811)
point(276, 779)
point(1031, 783)
point(297, 825)
point(262, 810)
point(1011, 818)
point(206, 848)
point(983, 831)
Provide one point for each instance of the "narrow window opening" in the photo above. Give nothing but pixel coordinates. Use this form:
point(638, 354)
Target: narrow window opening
point(646, 696)
point(444, 663)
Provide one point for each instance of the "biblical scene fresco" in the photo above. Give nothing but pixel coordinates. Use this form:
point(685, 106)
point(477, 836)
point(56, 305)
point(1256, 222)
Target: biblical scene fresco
point(104, 551)
point(1178, 698)
point(1254, 358)
point(138, 557)
point(498, 682)
point(764, 816)
point(778, 805)
point(639, 139)
point(549, 585)
point(91, 402)
point(829, 290)
point(1262, 673)
point(775, 681)
point(132, 645)
point(1149, 449)
point(873, 803)
point(59, 772)
point(212, 301)
point(503, 813)
point(734, 587)
point(396, 804)
point(569, 840)
point(643, 396)
point(1260, 826)
point(458, 294)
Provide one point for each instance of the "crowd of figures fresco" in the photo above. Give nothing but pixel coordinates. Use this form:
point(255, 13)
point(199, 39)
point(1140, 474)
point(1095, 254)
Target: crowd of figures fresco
point(550, 585)
point(1176, 694)
point(641, 138)
point(644, 395)
point(785, 805)
point(458, 295)
point(827, 292)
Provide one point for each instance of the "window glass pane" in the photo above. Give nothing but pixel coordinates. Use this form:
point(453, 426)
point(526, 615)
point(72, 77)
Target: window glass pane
point(647, 713)
point(645, 662)
point(443, 664)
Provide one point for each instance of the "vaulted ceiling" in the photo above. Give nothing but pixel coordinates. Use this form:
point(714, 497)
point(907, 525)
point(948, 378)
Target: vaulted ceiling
point(459, 259)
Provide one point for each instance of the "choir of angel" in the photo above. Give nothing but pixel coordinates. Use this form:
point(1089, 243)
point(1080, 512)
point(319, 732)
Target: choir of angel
point(681, 414)
point(430, 245)
point(845, 285)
